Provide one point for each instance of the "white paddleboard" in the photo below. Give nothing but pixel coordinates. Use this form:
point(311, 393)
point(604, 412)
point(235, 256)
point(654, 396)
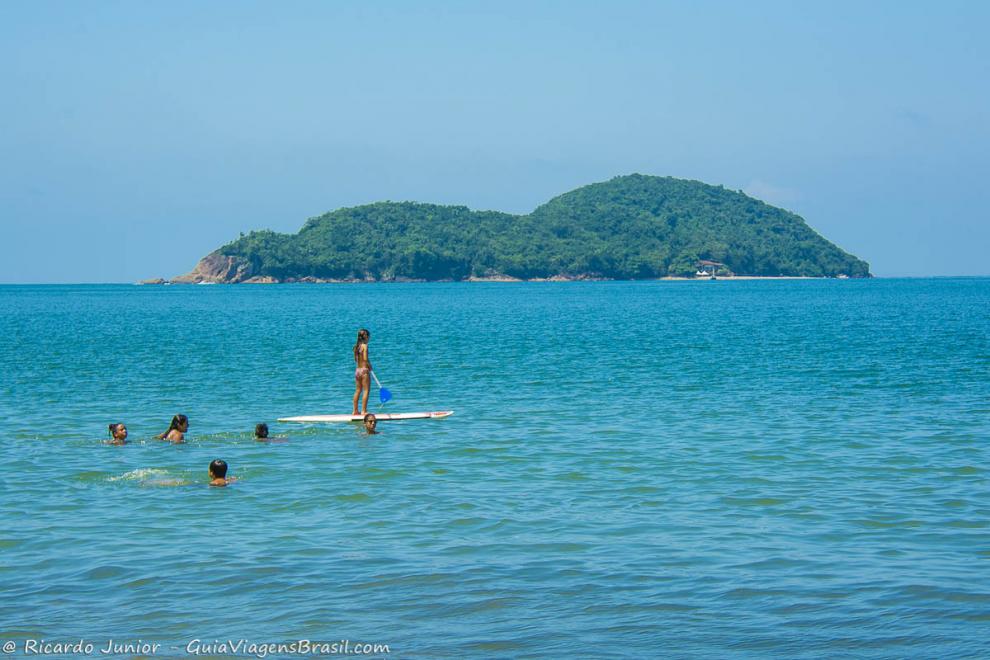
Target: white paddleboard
point(315, 419)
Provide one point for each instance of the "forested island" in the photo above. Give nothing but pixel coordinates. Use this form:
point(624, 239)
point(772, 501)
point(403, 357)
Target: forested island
point(631, 227)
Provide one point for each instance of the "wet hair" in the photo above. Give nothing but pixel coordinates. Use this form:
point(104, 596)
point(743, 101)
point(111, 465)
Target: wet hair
point(177, 421)
point(218, 468)
point(261, 430)
point(370, 416)
point(362, 338)
point(113, 427)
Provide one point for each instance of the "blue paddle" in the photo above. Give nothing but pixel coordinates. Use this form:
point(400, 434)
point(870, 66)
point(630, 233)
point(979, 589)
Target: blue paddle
point(383, 394)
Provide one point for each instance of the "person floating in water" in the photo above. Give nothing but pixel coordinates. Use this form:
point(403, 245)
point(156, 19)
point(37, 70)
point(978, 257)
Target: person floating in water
point(218, 473)
point(362, 374)
point(118, 434)
point(176, 430)
point(371, 424)
point(261, 434)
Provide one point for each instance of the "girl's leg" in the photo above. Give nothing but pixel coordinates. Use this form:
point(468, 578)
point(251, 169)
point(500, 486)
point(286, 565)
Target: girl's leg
point(367, 389)
point(357, 393)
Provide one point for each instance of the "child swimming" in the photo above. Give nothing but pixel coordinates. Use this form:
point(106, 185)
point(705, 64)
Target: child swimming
point(370, 424)
point(261, 435)
point(362, 373)
point(118, 434)
point(176, 430)
point(218, 473)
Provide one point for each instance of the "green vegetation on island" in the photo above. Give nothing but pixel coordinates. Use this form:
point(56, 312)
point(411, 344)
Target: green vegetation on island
point(631, 227)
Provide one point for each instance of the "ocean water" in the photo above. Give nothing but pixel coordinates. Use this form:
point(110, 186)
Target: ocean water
point(634, 469)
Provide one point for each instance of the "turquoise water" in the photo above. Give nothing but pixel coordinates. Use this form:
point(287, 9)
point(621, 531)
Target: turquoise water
point(695, 469)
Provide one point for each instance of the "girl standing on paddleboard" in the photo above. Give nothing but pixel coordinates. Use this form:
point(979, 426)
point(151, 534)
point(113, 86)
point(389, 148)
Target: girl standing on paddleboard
point(362, 374)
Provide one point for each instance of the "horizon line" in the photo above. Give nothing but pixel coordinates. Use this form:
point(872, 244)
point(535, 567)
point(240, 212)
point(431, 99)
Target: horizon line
point(652, 279)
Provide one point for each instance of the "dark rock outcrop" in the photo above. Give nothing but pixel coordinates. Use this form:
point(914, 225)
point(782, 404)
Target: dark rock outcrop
point(216, 267)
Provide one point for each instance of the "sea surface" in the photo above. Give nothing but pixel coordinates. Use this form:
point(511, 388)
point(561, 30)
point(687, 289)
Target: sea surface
point(794, 469)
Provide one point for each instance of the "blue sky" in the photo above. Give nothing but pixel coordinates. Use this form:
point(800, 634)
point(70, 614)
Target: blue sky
point(138, 137)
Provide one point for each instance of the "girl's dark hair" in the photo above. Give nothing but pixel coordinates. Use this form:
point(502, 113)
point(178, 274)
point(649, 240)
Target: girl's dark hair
point(112, 428)
point(362, 338)
point(177, 421)
point(218, 468)
point(261, 431)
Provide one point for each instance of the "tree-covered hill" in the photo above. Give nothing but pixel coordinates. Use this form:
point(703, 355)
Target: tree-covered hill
point(632, 227)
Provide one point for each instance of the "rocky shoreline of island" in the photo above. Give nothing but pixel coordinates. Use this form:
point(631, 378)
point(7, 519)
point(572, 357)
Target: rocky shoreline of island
point(488, 279)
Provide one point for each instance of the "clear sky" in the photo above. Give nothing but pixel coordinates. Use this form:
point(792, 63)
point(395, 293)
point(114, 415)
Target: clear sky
point(136, 137)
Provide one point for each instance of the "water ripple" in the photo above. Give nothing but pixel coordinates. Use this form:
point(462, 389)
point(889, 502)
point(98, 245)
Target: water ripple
point(792, 469)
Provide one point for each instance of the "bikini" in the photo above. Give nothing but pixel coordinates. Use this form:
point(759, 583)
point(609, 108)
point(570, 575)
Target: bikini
point(360, 372)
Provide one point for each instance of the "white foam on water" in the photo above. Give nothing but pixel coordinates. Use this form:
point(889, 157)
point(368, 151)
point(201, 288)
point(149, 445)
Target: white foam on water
point(139, 474)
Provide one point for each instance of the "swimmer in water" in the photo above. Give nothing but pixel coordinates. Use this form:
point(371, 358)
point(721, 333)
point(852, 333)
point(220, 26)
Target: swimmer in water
point(362, 372)
point(118, 434)
point(261, 435)
point(218, 473)
point(176, 430)
point(370, 424)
